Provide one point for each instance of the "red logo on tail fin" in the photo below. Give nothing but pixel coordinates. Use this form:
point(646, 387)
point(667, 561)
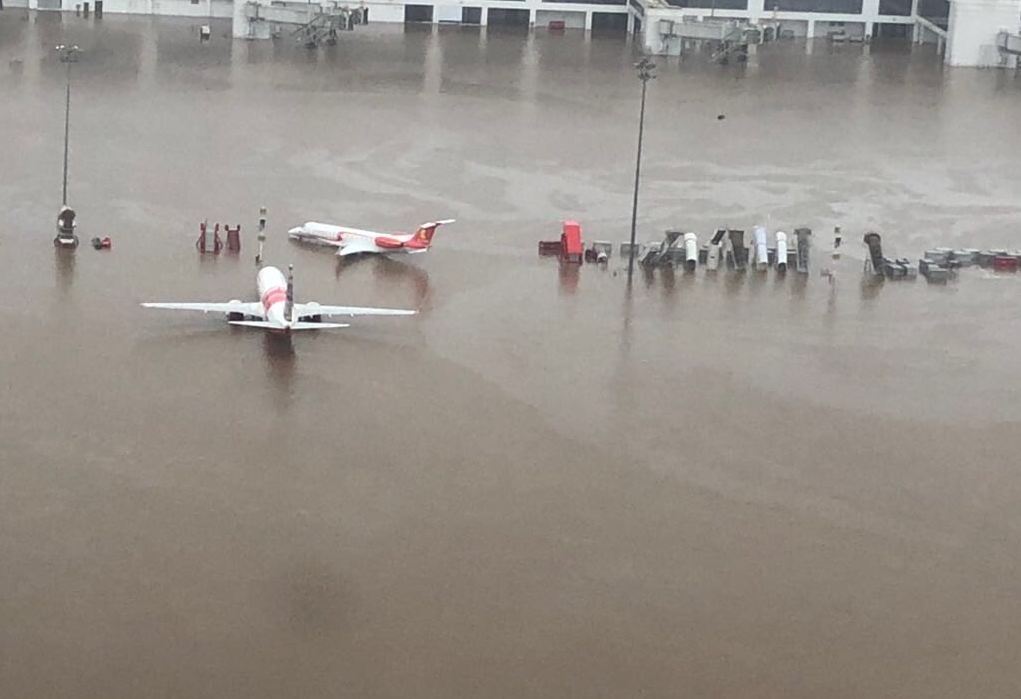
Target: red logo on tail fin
point(424, 236)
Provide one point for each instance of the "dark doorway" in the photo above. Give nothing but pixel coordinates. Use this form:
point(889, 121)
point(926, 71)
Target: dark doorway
point(893, 31)
point(471, 15)
point(606, 22)
point(99, 8)
point(499, 16)
point(418, 13)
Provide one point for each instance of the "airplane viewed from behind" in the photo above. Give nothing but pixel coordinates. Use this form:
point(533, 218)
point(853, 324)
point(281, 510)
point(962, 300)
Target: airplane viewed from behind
point(353, 241)
point(276, 311)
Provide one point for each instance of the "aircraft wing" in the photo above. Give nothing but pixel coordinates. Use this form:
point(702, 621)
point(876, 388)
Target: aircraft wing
point(303, 237)
point(304, 310)
point(249, 309)
point(356, 245)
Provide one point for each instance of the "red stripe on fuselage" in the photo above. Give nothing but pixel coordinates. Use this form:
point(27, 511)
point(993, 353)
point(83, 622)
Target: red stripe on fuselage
point(272, 297)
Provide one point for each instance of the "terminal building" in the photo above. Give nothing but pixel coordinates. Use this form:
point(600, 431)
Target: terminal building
point(967, 32)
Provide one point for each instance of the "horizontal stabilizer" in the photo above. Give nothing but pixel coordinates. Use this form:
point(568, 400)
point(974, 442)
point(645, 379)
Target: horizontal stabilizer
point(319, 326)
point(295, 326)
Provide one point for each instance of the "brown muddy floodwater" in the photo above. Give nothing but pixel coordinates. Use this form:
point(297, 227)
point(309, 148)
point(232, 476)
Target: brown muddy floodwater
point(743, 486)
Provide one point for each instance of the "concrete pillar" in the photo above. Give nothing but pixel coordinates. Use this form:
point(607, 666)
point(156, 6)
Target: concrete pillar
point(651, 41)
point(484, 19)
point(870, 12)
point(531, 17)
point(588, 21)
point(239, 25)
point(974, 24)
point(810, 32)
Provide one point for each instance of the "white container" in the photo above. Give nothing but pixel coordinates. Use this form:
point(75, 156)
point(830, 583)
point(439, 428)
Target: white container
point(761, 248)
point(781, 251)
point(690, 251)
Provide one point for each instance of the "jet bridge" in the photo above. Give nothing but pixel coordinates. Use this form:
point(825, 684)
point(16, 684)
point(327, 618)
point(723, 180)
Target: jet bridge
point(316, 23)
point(1009, 44)
point(668, 30)
point(722, 37)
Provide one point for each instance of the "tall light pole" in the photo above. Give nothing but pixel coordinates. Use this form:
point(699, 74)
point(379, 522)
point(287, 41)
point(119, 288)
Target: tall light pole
point(68, 55)
point(646, 72)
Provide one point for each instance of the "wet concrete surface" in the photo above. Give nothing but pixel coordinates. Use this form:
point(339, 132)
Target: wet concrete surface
point(742, 486)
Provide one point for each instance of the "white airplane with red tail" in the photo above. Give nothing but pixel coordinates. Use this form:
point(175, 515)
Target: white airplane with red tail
point(276, 310)
point(353, 241)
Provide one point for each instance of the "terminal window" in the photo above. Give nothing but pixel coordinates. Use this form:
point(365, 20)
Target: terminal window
point(898, 8)
point(593, 2)
point(936, 11)
point(844, 7)
point(711, 4)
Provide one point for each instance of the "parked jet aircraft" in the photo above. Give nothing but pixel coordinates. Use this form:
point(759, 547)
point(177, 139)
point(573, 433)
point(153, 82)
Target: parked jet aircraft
point(276, 311)
point(352, 241)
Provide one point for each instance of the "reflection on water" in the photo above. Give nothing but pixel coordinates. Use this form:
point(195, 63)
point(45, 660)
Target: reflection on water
point(668, 278)
point(648, 274)
point(757, 281)
point(870, 287)
point(734, 282)
point(63, 264)
point(281, 364)
point(341, 264)
point(569, 275)
point(389, 272)
point(799, 286)
point(830, 315)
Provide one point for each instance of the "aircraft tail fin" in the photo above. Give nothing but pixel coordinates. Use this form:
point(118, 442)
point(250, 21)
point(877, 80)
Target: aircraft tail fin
point(289, 302)
point(423, 237)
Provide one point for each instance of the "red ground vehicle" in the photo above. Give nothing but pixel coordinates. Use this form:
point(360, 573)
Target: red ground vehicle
point(571, 248)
